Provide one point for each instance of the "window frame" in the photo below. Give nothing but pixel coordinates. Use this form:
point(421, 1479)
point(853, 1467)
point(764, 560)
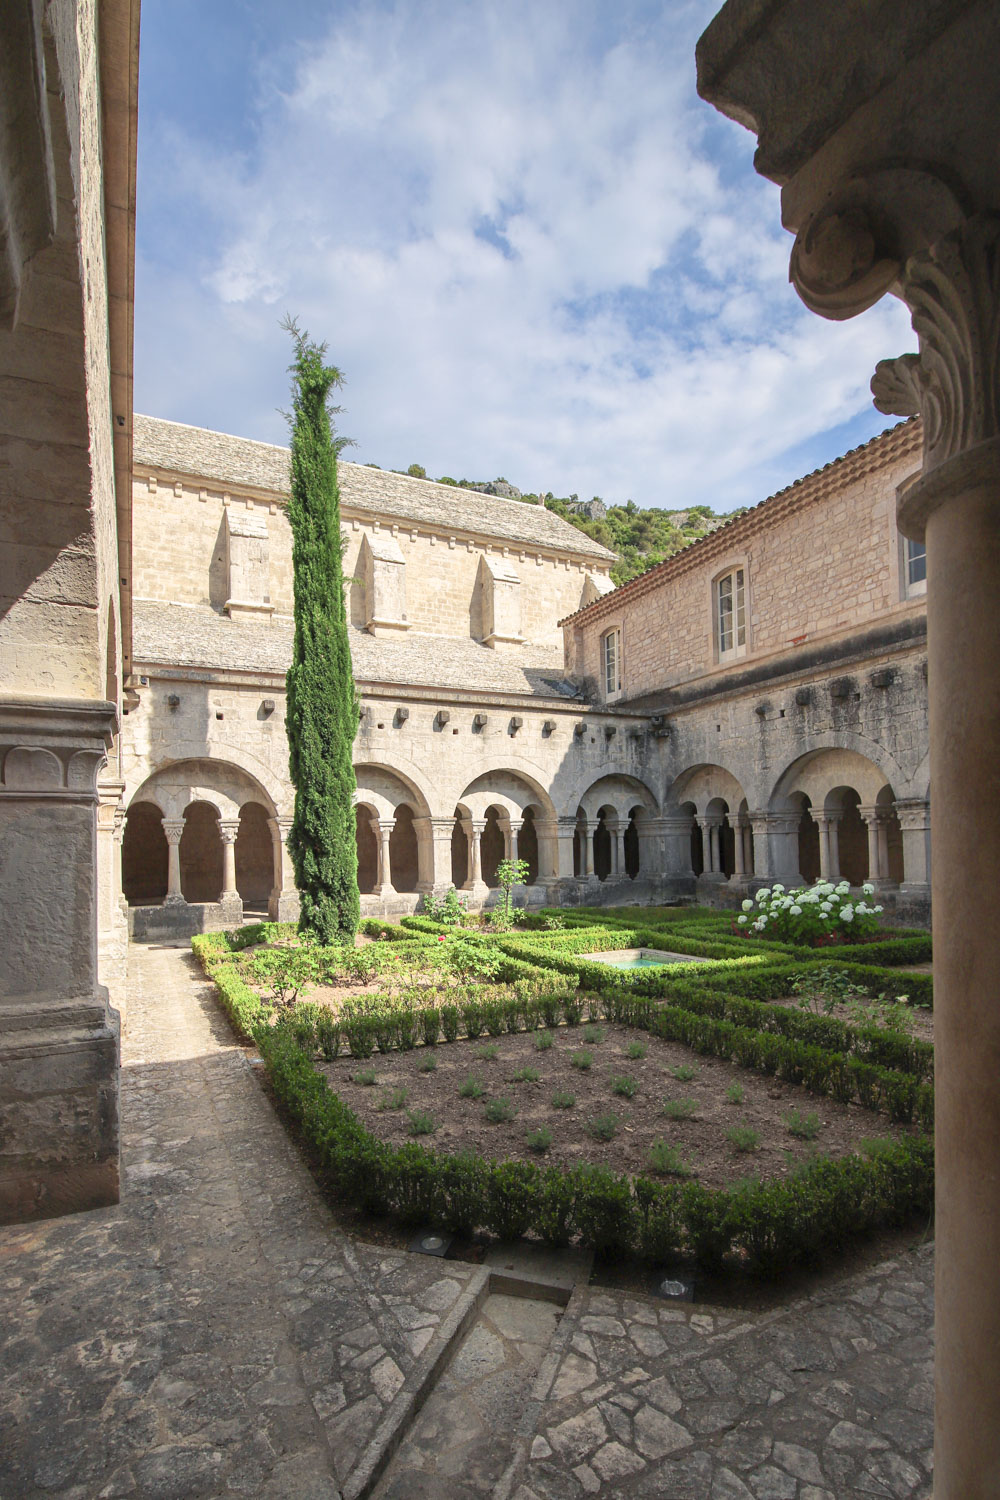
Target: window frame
point(736, 570)
point(912, 588)
point(613, 633)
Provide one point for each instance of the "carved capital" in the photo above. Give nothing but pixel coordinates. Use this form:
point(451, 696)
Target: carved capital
point(229, 830)
point(836, 266)
point(953, 292)
point(173, 829)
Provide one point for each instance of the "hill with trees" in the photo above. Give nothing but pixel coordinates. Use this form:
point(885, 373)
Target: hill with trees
point(642, 537)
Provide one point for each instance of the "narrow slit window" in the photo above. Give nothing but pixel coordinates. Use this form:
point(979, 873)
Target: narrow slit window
point(915, 555)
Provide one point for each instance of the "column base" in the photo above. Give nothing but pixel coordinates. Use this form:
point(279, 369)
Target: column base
point(231, 909)
point(174, 901)
point(59, 1117)
point(283, 906)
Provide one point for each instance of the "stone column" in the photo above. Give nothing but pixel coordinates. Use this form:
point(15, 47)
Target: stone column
point(112, 917)
point(710, 846)
point(58, 1035)
point(232, 906)
point(478, 829)
point(547, 831)
point(915, 821)
point(589, 829)
point(618, 847)
point(833, 834)
point(870, 816)
point(747, 833)
point(173, 829)
point(283, 902)
point(883, 848)
point(738, 866)
point(515, 827)
point(386, 888)
point(896, 189)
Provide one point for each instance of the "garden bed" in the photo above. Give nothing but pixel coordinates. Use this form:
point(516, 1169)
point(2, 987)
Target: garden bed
point(601, 1126)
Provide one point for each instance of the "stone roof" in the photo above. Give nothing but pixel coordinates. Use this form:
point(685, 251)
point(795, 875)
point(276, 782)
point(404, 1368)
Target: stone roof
point(172, 447)
point(896, 443)
point(177, 635)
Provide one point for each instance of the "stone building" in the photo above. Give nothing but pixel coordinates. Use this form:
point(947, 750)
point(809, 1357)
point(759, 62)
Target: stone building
point(68, 74)
point(753, 708)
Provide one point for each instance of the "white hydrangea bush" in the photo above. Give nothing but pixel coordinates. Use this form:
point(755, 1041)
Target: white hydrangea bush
point(815, 915)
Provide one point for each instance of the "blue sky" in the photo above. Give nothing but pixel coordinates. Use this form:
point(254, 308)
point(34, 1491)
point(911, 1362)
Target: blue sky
point(532, 250)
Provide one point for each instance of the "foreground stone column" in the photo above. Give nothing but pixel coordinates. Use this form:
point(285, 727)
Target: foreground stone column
point(514, 828)
point(173, 829)
point(677, 844)
point(434, 837)
point(776, 846)
point(589, 829)
point(58, 1035)
point(870, 818)
point(738, 851)
point(884, 143)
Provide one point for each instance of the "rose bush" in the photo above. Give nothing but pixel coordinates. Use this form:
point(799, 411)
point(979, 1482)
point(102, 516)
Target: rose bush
point(814, 915)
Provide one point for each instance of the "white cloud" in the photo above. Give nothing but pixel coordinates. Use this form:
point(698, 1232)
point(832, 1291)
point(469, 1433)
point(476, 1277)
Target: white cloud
point(512, 231)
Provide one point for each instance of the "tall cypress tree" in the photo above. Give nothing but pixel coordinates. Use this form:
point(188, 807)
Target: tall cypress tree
point(322, 709)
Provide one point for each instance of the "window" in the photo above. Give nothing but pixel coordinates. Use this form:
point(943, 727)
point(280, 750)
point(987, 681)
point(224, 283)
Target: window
point(611, 656)
point(731, 614)
point(914, 568)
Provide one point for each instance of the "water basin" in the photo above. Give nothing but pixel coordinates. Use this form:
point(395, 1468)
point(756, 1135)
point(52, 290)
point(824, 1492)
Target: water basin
point(641, 958)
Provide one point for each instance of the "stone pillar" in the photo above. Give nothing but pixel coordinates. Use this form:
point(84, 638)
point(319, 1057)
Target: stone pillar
point(515, 827)
point(283, 902)
point(883, 848)
point(549, 852)
point(386, 888)
point(776, 847)
point(478, 829)
point(676, 829)
point(915, 821)
point(738, 865)
point(747, 834)
point(870, 817)
point(833, 833)
point(896, 189)
point(434, 853)
point(709, 826)
point(58, 1035)
point(229, 901)
point(173, 829)
point(112, 919)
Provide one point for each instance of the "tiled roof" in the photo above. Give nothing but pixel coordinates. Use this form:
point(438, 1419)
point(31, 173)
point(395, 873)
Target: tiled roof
point(176, 635)
point(888, 447)
point(172, 447)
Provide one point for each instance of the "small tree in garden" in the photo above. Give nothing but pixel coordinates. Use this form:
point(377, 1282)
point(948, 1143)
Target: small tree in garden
point(510, 872)
point(322, 710)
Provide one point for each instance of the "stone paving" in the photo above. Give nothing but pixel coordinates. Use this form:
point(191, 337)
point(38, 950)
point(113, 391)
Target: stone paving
point(829, 1399)
point(215, 1334)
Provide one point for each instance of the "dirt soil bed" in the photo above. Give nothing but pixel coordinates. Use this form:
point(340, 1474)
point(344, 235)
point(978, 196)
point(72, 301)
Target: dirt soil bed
point(702, 1140)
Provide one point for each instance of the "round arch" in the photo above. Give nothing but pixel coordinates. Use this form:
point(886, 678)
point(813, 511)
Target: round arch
point(705, 784)
point(618, 791)
point(231, 760)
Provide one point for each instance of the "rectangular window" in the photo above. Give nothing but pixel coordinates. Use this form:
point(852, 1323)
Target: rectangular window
point(914, 567)
point(612, 664)
point(731, 613)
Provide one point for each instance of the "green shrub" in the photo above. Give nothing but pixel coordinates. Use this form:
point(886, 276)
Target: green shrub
point(500, 1110)
point(734, 1093)
point(743, 1137)
point(427, 1062)
point(543, 1040)
point(625, 1085)
point(666, 1161)
point(395, 1100)
point(365, 1076)
point(422, 1122)
point(805, 1127)
point(563, 1099)
point(539, 1140)
point(471, 1088)
point(684, 1073)
point(603, 1127)
point(636, 1050)
point(593, 1034)
point(582, 1060)
point(680, 1109)
point(488, 1053)
point(527, 1075)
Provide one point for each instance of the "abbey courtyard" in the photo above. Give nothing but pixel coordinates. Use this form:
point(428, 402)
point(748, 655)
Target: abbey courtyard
point(810, 693)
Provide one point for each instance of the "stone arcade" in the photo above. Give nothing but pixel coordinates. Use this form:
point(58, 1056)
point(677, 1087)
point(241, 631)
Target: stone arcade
point(629, 745)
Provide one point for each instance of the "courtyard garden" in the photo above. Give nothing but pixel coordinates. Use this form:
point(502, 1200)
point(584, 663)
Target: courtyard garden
point(752, 1102)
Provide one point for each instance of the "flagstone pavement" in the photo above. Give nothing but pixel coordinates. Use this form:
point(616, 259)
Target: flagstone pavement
point(217, 1334)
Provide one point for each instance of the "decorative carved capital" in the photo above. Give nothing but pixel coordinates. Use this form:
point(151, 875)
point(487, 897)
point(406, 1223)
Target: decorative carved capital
point(173, 829)
point(229, 830)
point(953, 292)
point(898, 386)
point(836, 265)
